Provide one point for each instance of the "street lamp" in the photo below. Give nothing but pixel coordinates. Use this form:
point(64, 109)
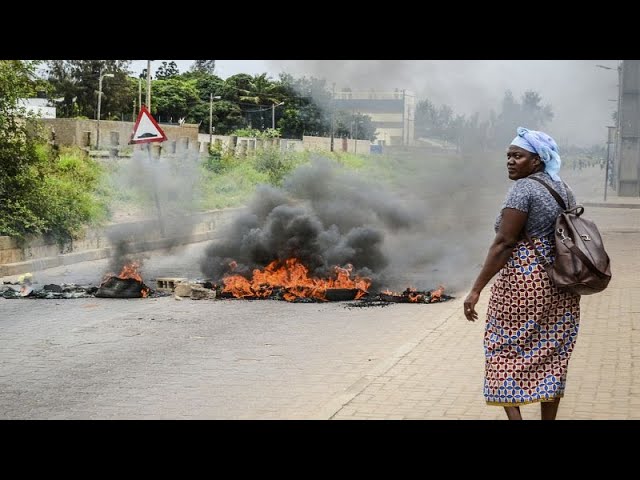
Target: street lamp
point(273, 114)
point(102, 75)
point(211, 98)
point(612, 131)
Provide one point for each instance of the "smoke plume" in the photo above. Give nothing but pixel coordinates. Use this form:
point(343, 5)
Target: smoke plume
point(431, 225)
point(578, 91)
point(164, 190)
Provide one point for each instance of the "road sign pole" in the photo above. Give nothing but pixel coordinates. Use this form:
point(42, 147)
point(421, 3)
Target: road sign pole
point(154, 186)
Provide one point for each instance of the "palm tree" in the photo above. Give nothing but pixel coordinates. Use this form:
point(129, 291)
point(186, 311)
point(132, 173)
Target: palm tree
point(259, 90)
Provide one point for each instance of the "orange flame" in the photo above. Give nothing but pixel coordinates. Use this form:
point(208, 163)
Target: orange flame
point(436, 294)
point(293, 277)
point(413, 296)
point(410, 294)
point(130, 270)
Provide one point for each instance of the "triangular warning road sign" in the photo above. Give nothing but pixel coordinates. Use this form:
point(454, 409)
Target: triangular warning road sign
point(146, 129)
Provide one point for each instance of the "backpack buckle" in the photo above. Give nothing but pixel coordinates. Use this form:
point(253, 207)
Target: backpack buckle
point(563, 237)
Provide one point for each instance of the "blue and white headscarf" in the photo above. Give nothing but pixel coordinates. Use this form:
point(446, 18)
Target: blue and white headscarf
point(546, 147)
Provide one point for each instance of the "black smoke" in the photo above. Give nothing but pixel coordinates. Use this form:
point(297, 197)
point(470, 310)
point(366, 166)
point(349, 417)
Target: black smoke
point(324, 216)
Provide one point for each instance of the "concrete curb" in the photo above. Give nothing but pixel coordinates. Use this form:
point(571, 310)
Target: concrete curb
point(610, 205)
point(37, 264)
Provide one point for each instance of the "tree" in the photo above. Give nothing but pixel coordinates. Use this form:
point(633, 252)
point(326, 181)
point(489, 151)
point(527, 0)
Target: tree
point(165, 70)
point(174, 98)
point(21, 179)
point(537, 115)
point(354, 125)
point(528, 113)
point(64, 88)
point(256, 96)
point(425, 119)
point(16, 145)
point(78, 79)
point(204, 66)
point(307, 108)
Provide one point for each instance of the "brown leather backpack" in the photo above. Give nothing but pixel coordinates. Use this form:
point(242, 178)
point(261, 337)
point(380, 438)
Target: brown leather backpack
point(581, 264)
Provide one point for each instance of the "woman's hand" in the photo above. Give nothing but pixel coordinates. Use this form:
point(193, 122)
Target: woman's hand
point(470, 306)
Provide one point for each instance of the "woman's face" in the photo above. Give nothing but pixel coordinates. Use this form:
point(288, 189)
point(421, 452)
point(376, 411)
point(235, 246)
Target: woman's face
point(521, 163)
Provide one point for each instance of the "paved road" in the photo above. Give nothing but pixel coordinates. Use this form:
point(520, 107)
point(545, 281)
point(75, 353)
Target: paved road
point(162, 358)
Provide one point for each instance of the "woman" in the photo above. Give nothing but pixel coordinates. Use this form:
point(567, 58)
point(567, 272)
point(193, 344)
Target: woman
point(531, 326)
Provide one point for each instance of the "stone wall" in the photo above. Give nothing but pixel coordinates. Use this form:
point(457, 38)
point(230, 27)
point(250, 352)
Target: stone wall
point(83, 132)
point(39, 253)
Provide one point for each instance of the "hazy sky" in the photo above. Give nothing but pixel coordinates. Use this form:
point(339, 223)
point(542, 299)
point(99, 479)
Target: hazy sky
point(578, 91)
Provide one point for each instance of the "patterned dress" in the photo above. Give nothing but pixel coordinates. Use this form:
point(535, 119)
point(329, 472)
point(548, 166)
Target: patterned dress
point(531, 326)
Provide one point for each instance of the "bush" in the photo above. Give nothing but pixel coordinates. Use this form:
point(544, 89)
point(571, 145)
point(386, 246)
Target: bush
point(55, 194)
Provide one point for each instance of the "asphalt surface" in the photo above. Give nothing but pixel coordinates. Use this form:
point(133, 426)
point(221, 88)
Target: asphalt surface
point(162, 358)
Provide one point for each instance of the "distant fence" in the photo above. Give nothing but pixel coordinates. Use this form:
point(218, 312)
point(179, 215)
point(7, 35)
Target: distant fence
point(243, 145)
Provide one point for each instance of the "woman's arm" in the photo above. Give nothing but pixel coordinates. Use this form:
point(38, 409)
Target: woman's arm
point(512, 223)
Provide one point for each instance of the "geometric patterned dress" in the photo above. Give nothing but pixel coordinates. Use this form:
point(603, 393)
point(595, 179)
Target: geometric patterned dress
point(530, 333)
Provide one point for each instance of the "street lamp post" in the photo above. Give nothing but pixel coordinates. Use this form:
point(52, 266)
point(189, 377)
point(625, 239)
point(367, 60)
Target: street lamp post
point(102, 75)
point(612, 131)
point(273, 114)
point(211, 98)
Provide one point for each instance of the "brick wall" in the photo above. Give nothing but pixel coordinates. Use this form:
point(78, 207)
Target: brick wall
point(71, 131)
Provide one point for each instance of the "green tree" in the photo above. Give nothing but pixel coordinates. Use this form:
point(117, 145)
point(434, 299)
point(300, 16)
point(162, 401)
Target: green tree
point(529, 112)
point(39, 191)
point(77, 81)
point(354, 125)
point(17, 147)
point(174, 98)
point(166, 71)
point(64, 88)
point(209, 86)
point(307, 108)
point(204, 66)
point(256, 95)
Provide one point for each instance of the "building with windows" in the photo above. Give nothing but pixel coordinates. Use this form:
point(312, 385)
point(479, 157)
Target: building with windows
point(392, 113)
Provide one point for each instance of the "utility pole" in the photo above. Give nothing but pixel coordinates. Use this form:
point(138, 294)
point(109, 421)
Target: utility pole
point(333, 107)
point(355, 147)
point(102, 75)
point(139, 95)
point(210, 120)
point(211, 99)
point(611, 136)
point(273, 114)
point(149, 85)
point(404, 102)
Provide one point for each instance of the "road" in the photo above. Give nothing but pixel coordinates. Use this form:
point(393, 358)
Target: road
point(161, 358)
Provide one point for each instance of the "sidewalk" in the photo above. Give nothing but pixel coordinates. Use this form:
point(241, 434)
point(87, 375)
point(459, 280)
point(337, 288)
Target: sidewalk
point(440, 376)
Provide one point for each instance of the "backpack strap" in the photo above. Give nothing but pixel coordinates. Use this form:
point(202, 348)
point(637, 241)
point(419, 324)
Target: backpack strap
point(555, 194)
point(568, 241)
point(542, 260)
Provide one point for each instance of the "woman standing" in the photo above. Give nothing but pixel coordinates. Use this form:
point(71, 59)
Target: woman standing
point(531, 326)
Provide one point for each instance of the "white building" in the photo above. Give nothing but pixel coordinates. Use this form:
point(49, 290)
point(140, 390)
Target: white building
point(392, 113)
point(38, 106)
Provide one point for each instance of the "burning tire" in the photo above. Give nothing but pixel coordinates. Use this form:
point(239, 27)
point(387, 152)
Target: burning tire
point(115, 287)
